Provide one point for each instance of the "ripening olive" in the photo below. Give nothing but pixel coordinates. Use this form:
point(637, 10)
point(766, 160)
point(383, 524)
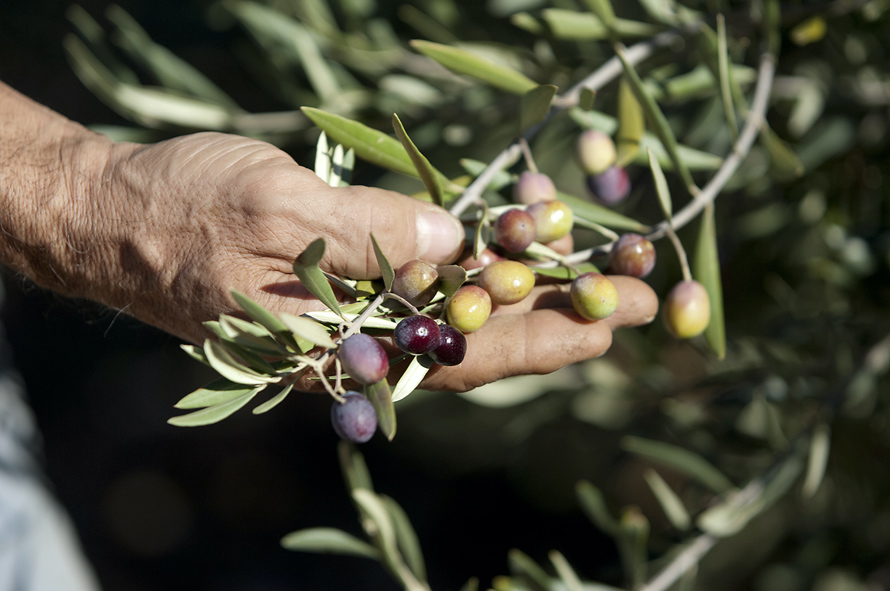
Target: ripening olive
point(687, 309)
point(507, 282)
point(469, 308)
point(594, 296)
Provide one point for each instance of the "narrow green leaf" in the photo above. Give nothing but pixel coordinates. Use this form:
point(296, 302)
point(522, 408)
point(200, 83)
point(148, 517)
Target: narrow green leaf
point(311, 276)
point(632, 543)
point(681, 460)
point(565, 571)
point(594, 506)
point(535, 105)
point(564, 272)
point(196, 353)
point(631, 124)
point(259, 313)
point(308, 329)
point(336, 319)
point(352, 464)
point(661, 188)
point(451, 277)
point(254, 337)
point(386, 270)
point(603, 10)
point(572, 25)
point(274, 401)
point(724, 72)
point(216, 392)
point(414, 374)
point(657, 120)
point(670, 503)
point(784, 163)
point(706, 270)
point(328, 541)
point(476, 167)
point(373, 506)
point(464, 62)
point(322, 157)
point(817, 461)
point(406, 538)
point(531, 572)
point(429, 175)
point(381, 397)
point(369, 144)
point(772, 24)
point(586, 99)
point(599, 214)
point(215, 413)
point(228, 367)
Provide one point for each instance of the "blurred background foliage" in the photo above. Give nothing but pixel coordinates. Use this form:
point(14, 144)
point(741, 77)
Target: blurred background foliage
point(805, 260)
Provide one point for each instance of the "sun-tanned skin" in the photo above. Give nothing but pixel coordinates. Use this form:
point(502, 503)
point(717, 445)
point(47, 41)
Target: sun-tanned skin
point(164, 231)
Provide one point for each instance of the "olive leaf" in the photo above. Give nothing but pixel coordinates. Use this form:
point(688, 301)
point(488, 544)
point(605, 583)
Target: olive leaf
point(369, 144)
point(215, 413)
point(380, 396)
point(329, 541)
point(386, 269)
point(535, 105)
point(817, 460)
point(631, 124)
point(566, 273)
point(594, 506)
point(566, 573)
point(670, 503)
point(681, 460)
point(585, 210)
point(465, 62)
point(603, 10)
point(311, 276)
point(414, 374)
point(586, 99)
point(274, 401)
point(522, 565)
point(430, 176)
point(228, 367)
point(584, 26)
point(657, 120)
point(406, 538)
point(308, 329)
point(661, 189)
point(352, 464)
point(196, 353)
point(706, 270)
point(451, 277)
point(254, 337)
point(216, 392)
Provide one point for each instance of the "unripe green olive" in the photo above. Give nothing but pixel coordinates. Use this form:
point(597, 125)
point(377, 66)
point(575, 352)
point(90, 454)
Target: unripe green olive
point(469, 308)
point(416, 281)
point(533, 187)
point(595, 151)
point(507, 282)
point(553, 220)
point(687, 309)
point(594, 296)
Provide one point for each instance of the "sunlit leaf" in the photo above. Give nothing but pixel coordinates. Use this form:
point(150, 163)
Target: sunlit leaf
point(522, 565)
point(670, 503)
point(603, 10)
point(308, 329)
point(565, 571)
point(259, 313)
point(429, 175)
point(706, 270)
point(311, 276)
point(374, 507)
point(216, 392)
point(334, 318)
point(535, 105)
point(631, 124)
point(817, 461)
point(583, 26)
point(681, 460)
point(228, 367)
point(414, 374)
point(465, 62)
point(274, 401)
point(369, 144)
point(406, 537)
point(215, 413)
point(252, 336)
point(196, 353)
point(594, 506)
point(329, 541)
point(380, 396)
point(322, 157)
point(657, 121)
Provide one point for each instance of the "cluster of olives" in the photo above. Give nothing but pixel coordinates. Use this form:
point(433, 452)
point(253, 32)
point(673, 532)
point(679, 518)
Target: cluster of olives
point(501, 281)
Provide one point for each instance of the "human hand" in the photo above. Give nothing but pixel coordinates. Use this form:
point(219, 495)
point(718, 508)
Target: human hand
point(177, 225)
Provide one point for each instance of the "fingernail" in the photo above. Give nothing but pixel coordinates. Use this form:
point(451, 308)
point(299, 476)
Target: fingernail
point(440, 236)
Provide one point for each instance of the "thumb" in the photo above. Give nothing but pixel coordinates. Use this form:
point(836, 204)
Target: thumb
point(405, 228)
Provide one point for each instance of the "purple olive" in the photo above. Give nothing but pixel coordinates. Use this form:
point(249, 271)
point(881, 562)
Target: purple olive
point(354, 419)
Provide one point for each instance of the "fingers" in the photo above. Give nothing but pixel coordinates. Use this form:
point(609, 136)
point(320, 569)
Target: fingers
point(542, 334)
point(404, 227)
